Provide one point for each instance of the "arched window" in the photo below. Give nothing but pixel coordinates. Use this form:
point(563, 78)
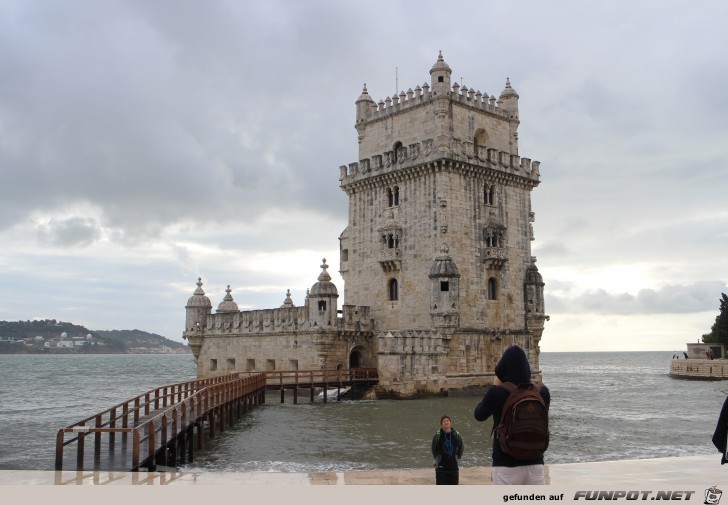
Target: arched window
point(491, 289)
point(396, 147)
point(480, 139)
point(393, 290)
point(393, 196)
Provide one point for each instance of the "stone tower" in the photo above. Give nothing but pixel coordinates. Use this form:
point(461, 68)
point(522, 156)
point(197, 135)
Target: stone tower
point(439, 229)
point(436, 257)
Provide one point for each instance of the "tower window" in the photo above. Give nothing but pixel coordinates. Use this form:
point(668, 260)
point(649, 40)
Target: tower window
point(440, 79)
point(393, 196)
point(391, 240)
point(322, 305)
point(493, 238)
point(444, 285)
point(344, 255)
point(489, 194)
point(491, 289)
point(393, 290)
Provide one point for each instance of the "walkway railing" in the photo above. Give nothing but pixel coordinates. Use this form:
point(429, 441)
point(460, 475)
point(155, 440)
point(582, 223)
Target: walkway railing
point(161, 423)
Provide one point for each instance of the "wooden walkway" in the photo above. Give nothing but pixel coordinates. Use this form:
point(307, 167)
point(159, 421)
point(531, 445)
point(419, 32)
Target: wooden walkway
point(163, 427)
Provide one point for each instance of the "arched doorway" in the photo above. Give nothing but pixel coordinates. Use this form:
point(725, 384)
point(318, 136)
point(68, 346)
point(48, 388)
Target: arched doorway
point(355, 359)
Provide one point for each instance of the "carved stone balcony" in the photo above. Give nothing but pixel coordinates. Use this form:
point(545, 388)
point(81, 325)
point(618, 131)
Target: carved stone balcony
point(390, 259)
point(494, 257)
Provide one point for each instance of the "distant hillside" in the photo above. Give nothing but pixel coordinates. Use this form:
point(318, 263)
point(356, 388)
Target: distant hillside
point(51, 336)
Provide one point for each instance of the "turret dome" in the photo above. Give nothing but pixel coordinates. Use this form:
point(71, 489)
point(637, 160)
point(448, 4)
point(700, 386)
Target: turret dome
point(508, 91)
point(533, 277)
point(324, 286)
point(444, 266)
point(364, 97)
point(440, 65)
point(198, 299)
point(227, 304)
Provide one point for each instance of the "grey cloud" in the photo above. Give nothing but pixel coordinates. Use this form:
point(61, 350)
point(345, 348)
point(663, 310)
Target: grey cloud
point(673, 299)
point(73, 232)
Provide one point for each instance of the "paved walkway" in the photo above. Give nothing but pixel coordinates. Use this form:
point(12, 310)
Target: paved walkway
point(701, 471)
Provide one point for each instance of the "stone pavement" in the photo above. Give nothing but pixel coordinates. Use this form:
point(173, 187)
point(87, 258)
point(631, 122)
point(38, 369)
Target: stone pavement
point(702, 471)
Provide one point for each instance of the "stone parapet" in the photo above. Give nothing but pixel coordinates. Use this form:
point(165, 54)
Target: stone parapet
point(702, 369)
point(419, 152)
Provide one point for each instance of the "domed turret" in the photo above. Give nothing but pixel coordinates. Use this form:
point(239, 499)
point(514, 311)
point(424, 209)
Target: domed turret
point(364, 105)
point(227, 304)
point(445, 290)
point(440, 76)
point(321, 300)
point(509, 100)
point(444, 266)
point(198, 308)
point(533, 277)
point(198, 299)
point(324, 286)
point(533, 290)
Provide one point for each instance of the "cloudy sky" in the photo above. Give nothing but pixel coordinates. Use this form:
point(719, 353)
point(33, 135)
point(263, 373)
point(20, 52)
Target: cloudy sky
point(144, 144)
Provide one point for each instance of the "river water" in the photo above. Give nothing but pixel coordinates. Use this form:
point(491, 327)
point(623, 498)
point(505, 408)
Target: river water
point(605, 406)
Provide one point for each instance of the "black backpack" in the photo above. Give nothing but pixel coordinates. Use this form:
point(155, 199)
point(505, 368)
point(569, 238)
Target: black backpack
point(523, 431)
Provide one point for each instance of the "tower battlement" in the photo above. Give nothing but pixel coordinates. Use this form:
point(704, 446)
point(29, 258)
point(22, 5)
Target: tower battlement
point(422, 95)
point(415, 154)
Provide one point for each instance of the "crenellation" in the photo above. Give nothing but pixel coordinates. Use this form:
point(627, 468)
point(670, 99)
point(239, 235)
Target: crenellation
point(417, 152)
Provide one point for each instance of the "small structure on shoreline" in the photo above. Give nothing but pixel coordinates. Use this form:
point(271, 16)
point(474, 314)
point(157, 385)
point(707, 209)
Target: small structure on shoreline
point(702, 362)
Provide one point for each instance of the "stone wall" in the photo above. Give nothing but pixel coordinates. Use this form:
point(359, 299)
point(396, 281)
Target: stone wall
point(699, 369)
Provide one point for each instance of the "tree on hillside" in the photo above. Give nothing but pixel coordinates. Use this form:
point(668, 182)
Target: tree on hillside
point(719, 332)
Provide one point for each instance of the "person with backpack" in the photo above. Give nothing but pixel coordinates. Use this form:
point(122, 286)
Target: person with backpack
point(520, 421)
point(447, 449)
point(720, 435)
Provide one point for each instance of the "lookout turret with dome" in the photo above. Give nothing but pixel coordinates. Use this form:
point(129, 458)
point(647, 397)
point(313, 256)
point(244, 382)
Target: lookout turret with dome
point(322, 299)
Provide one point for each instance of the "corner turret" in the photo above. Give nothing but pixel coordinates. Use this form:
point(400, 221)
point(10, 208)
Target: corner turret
point(321, 300)
point(198, 308)
point(364, 106)
point(508, 100)
point(440, 77)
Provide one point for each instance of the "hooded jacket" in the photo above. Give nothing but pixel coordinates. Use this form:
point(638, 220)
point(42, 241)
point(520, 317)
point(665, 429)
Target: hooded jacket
point(512, 367)
point(720, 435)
